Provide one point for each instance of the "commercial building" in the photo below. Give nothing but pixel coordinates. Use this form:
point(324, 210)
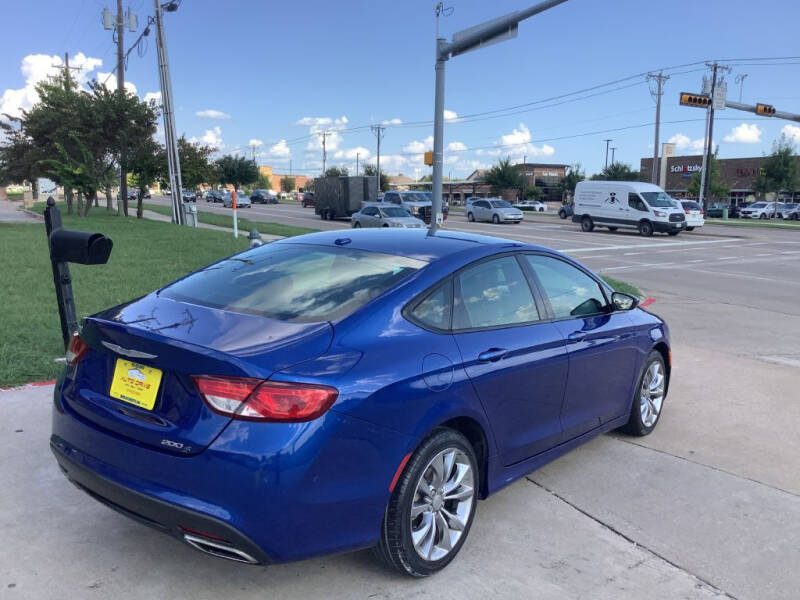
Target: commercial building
point(300, 181)
point(739, 174)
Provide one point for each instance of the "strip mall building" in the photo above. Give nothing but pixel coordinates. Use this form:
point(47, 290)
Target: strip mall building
point(739, 174)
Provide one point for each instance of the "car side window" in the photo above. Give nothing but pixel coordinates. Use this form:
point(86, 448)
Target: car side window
point(435, 310)
point(493, 293)
point(635, 202)
point(571, 292)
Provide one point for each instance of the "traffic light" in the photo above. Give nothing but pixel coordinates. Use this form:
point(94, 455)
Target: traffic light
point(429, 158)
point(697, 100)
point(765, 110)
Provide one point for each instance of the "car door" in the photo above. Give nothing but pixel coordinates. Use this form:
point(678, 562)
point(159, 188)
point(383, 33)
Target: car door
point(367, 218)
point(601, 344)
point(636, 209)
point(516, 363)
point(481, 210)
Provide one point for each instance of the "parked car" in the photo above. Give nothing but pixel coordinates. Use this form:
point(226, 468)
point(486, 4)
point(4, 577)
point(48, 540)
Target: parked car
point(263, 197)
point(793, 213)
point(307, 200)
point(694, 214)
point(785, 207)
point(715, 210)
point(495, 210)
point(188, 196)
point(385, 216)
point(533, 205)
point(330, 392)
point(215, 196)
point(628, 204)
point(566, 210)
point(242, 200)
point(759, 210)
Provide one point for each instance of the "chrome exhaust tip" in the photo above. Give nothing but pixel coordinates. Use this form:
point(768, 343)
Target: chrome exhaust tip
point(218, 549)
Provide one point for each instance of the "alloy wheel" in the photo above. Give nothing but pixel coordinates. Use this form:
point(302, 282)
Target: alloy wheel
point(651, 394)
point(442, 504)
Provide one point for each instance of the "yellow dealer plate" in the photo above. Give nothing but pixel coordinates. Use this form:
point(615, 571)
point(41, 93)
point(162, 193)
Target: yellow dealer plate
point(135, 383)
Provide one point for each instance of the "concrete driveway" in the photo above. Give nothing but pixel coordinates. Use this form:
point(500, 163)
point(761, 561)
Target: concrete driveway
point(706, 507)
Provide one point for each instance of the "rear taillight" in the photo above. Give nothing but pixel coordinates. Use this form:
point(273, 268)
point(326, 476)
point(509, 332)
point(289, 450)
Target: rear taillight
point(76, 350)
point(702, 212)
point(687, 211)
point(256, 400)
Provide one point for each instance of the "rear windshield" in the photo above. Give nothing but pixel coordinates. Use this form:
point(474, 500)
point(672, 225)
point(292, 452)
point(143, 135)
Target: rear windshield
point(758, 205)
point(658, 200)
point(294, 282)
point(691, 205)
point(395, 211)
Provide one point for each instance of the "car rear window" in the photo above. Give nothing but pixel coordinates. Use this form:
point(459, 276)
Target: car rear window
point(691, 205)
point(299, 283)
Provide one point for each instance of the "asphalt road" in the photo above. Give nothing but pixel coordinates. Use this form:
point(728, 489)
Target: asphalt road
point(708, 506)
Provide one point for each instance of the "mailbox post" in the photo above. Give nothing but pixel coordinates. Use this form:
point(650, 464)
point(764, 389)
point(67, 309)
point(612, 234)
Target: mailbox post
point(66, 246)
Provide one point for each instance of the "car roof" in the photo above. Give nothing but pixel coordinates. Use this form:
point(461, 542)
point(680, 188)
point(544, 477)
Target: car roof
point(415, 244)
point(638, 186)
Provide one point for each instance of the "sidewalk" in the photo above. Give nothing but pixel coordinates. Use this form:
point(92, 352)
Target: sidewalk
point(149, 214)
point(10, 213)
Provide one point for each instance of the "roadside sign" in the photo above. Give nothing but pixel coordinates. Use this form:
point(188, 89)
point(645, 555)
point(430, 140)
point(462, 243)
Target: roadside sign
point(720, 93)
point(495, 38)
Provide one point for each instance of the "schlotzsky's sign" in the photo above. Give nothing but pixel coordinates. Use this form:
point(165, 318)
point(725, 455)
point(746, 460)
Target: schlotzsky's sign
point(685, 168)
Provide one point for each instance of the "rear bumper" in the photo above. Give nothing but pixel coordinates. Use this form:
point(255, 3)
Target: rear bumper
point(168, 518)
point(663, 226)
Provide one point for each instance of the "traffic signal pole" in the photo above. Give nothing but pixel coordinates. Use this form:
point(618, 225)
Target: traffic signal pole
point(710, 139)
point(474, 38)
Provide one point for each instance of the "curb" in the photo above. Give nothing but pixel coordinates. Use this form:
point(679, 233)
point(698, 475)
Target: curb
point(27, 385)
point(30, 213)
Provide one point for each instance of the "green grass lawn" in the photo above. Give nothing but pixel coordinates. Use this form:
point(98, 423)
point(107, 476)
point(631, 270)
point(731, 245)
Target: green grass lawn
point(772, 223)
point(622, 286)
point(146, 255)
point(244, 224)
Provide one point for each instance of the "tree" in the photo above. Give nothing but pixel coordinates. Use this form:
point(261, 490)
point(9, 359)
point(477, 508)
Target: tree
point(371, 171)
point(572, 178)
point(264, 182)
point(532, 193)
point(236, 170)
point(337, 172)
point(716, 187)
point(504, 176)
point(19, 157)
point(617, 171)
point(287, 184)
point(780, 170)
point(196, 166)
point(148, 164)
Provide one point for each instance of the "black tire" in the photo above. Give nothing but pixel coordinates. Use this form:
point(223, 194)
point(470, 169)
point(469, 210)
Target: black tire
point(562, 214)
point(470, 217)
point(763, 216)
point(587, 224)
point(794, 217)
point(646, 228)
point(635, 425)
point(356, 225)
point(395, 547)
point(690, 228)
point(612, 228)
point(541, 210)
point(495, 219)
point(322, 215)
point(385, 225)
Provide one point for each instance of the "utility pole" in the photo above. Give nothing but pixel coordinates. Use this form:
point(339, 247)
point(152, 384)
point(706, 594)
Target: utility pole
point(122, 201)
point(173, 160)
point(613, 152)
point(740, 80)
point(324, 135)
point(710, 150)
point(378, 130)
point(660, 80)
point(607, 143)
point(357, 154)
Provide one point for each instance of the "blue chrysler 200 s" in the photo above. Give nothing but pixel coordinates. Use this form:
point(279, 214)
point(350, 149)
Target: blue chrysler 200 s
point(326, 393)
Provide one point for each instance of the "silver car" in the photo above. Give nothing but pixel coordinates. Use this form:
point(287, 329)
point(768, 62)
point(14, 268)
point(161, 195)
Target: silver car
point(495, 210)
point(385, 216)
point(242, 200)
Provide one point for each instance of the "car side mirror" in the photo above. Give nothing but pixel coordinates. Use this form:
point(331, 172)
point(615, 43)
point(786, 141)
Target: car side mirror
point(622, 301)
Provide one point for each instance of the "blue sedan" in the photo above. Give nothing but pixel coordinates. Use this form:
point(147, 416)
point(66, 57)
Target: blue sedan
point(345, 390)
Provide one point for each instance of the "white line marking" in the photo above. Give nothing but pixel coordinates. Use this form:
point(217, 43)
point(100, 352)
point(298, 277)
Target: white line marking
point(767, 254)
point(699, 260)
point(649, 245)
point(633, 253)
point(727, 257)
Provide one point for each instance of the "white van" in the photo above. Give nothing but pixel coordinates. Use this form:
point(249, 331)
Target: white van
point(629, 204)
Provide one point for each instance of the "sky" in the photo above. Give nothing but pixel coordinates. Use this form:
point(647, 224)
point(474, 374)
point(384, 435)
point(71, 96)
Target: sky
point(270, 76)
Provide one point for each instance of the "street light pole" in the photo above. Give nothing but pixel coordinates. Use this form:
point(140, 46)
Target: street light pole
point(473, 38)
point(607, 143)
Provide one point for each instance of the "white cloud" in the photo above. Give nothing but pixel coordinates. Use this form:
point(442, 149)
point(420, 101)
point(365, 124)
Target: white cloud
point(109, 81)
point(351, 153)
point(153, 96)
point(456, 147)
point(279, 150)
point(318, 125)
point(37, 67)
point(517, 145)
point(394, 121)
point(211, 137)
point(792, 132)
point(450, 115)
point(684, 142)
point(519, 135)
point(418, 147)
point(210, 113)
point(255, 142)
point(746, 133)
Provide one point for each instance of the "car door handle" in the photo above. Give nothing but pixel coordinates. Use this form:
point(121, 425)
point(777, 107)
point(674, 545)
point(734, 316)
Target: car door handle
point(576, 336)
point(492, 354)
